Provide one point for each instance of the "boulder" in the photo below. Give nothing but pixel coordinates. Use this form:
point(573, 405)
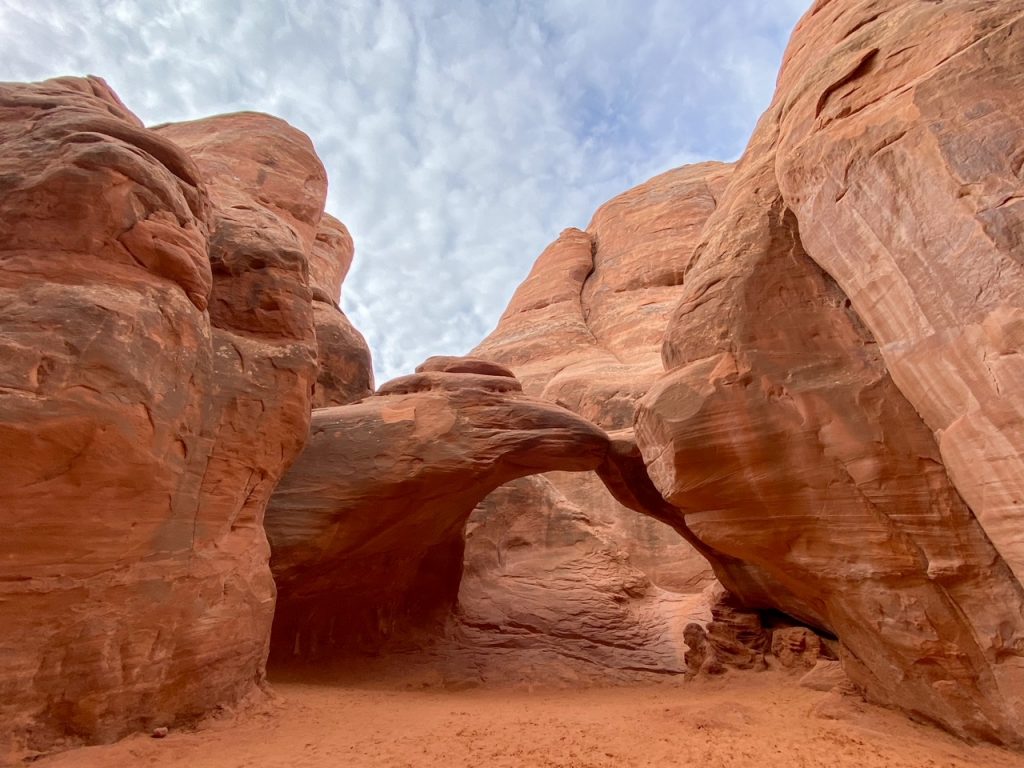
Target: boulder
point(796, 647)
point(826, 675)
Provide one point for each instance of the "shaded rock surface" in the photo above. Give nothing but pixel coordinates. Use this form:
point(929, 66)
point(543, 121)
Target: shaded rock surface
point(549, 594)
point(796, 647)
point(155, 373)
point(584, 330)
point(778, 431)
point(345, 370)
point(903, 149)
point(367, 528)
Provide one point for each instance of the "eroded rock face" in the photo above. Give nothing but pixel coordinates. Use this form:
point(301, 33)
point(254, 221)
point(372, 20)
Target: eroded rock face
point(585, 327)
point(157, 359)
point(548, 594)
point(345, 370)
point(778, 431)
point(584, 330)
point(918, 106)
point(831, 416)
point(367, 526)
point(268, 190)
point(106, 354)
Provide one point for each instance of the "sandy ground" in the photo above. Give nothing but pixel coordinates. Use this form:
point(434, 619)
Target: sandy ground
point(743, 720)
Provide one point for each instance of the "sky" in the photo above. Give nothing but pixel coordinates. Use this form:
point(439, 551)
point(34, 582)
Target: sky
point(460, 137)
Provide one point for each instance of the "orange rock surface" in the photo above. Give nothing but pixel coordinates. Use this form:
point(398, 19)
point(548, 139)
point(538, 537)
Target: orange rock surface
point(778, 431)
point(902, 150)
point(367, 528)
point(346, 372)
point(584, 330)
point(157, 359)
point(802, 369)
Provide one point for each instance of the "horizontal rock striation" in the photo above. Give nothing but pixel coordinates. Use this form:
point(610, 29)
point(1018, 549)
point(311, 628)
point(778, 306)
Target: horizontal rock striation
point(821, 333)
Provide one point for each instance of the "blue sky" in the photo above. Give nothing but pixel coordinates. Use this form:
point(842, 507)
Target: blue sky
point(459, 137)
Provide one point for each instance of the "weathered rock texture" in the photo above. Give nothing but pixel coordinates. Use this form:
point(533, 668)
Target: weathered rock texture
point(871, 227)
point(549, 593)
point(820, 350)
point(346, 373)
point(368, 527)
point(903, 148)
point(584, 330)
point(156, 364)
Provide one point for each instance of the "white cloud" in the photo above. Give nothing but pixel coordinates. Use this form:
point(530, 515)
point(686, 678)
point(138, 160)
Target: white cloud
point(459, 137)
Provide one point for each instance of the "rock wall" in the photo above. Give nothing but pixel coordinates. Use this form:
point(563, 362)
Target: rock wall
point(551, 595)
point(346, 371)
point(158, 357)
point(902, 149)
point(821, 316)
point(367, 529)
point(800, 368)
point(836, 429)
point(584, 330)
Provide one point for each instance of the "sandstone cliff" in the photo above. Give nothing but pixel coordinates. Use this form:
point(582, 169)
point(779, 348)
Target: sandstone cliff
point(836, 430)
point(800, 369)
point(585, 330)
point(835, 423)
point(158, 357)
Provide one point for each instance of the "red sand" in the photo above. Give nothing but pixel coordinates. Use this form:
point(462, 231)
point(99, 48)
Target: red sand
point(745, 719)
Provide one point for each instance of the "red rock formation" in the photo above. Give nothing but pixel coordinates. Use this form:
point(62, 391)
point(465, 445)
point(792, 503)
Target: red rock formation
point(157, 360)
point(584, 330)
point(268, 189)
point(901, 154)
point(346, 373)
point(367, 527)
point(778, 432)
point(106, 354)
point(448, 364)
point(837, 429)
point(585, 327)
point(796, 647)
point(548, 594)
point(367, 531)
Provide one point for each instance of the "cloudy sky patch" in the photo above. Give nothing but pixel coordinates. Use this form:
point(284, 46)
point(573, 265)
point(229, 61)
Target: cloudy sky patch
point(459, 137)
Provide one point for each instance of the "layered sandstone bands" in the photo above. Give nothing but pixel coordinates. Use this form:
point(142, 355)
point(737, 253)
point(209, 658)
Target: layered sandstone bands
point(857, 269)
point(158, 357)
point(786, 430)
point(368, 527)
point(817, 350)
point(584, 330)
point(903, 151)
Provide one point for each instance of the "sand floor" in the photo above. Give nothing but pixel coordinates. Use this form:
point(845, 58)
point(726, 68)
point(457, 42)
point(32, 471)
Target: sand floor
point(743, 720)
